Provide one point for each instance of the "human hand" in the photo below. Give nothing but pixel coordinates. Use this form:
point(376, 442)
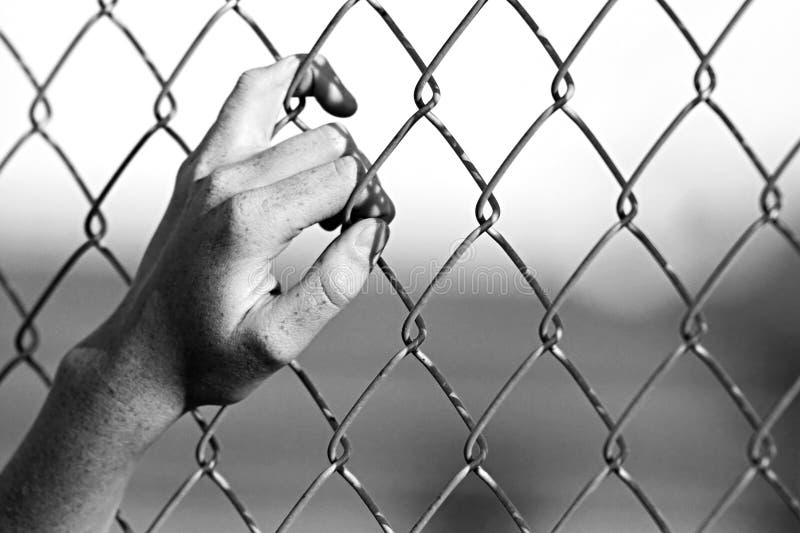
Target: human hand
point(205, 321)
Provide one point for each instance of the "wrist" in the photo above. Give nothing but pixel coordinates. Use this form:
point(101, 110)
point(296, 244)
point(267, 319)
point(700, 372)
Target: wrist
point(121, 395)
point(71, 470)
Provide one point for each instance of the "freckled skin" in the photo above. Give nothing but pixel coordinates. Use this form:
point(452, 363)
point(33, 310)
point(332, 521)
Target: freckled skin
point(204, 321)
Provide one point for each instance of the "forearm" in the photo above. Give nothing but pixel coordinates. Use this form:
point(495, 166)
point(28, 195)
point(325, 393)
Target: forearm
point(70, 472)
point(205, 321)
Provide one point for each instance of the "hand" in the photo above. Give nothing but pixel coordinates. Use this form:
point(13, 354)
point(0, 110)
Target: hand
point(205, 321)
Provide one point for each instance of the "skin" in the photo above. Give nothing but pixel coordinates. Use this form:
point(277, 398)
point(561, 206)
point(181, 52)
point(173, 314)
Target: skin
point(204, 321)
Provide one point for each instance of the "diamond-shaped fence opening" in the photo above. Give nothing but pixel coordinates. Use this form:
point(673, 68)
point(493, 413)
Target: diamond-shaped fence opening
point(552, 330)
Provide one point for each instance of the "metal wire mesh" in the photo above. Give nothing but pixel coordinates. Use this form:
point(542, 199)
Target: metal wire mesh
point(693, 326)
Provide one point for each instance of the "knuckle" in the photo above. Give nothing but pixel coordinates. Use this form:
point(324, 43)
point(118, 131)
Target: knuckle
point(336, 136)
point(348, 167)
point(279, 196)
point(212, 189)
point(218, 180)
point(238, 212)
point(249, 77)
point(259, 79)
point(251, 212)
point(195, 167)
point(328, 289)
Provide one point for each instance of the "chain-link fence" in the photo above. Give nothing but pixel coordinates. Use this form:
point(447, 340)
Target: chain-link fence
point(761, 448)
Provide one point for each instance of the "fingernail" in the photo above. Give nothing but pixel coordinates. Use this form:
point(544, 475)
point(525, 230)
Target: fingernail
point(372, 239)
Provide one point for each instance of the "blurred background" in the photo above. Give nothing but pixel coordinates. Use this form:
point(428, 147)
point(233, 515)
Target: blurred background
point(687, 443)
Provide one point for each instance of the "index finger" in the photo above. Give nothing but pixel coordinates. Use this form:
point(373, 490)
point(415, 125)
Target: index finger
point(245, 123)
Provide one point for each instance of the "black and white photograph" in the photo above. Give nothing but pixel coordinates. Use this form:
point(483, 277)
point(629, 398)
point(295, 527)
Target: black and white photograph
point(339, 266)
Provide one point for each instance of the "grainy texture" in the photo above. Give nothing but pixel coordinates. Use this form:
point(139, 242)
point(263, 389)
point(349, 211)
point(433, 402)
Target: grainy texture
point(761, 448)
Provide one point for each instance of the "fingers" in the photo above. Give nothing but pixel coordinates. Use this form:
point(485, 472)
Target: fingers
point(245, 123)
point(286, 324)
point(272, 215)
point(324, 84)
point(373, 203)
point(297, 154)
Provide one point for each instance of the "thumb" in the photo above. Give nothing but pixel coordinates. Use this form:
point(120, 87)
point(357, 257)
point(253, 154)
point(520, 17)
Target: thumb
point(288, 323)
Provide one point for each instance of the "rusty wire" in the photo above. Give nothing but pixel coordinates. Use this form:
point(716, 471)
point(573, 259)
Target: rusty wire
point(761, 449)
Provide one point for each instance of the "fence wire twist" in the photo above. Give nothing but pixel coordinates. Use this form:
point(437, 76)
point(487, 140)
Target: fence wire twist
point(761, 448)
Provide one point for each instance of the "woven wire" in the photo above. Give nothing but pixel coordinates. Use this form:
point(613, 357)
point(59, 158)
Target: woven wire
point(761, 447)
